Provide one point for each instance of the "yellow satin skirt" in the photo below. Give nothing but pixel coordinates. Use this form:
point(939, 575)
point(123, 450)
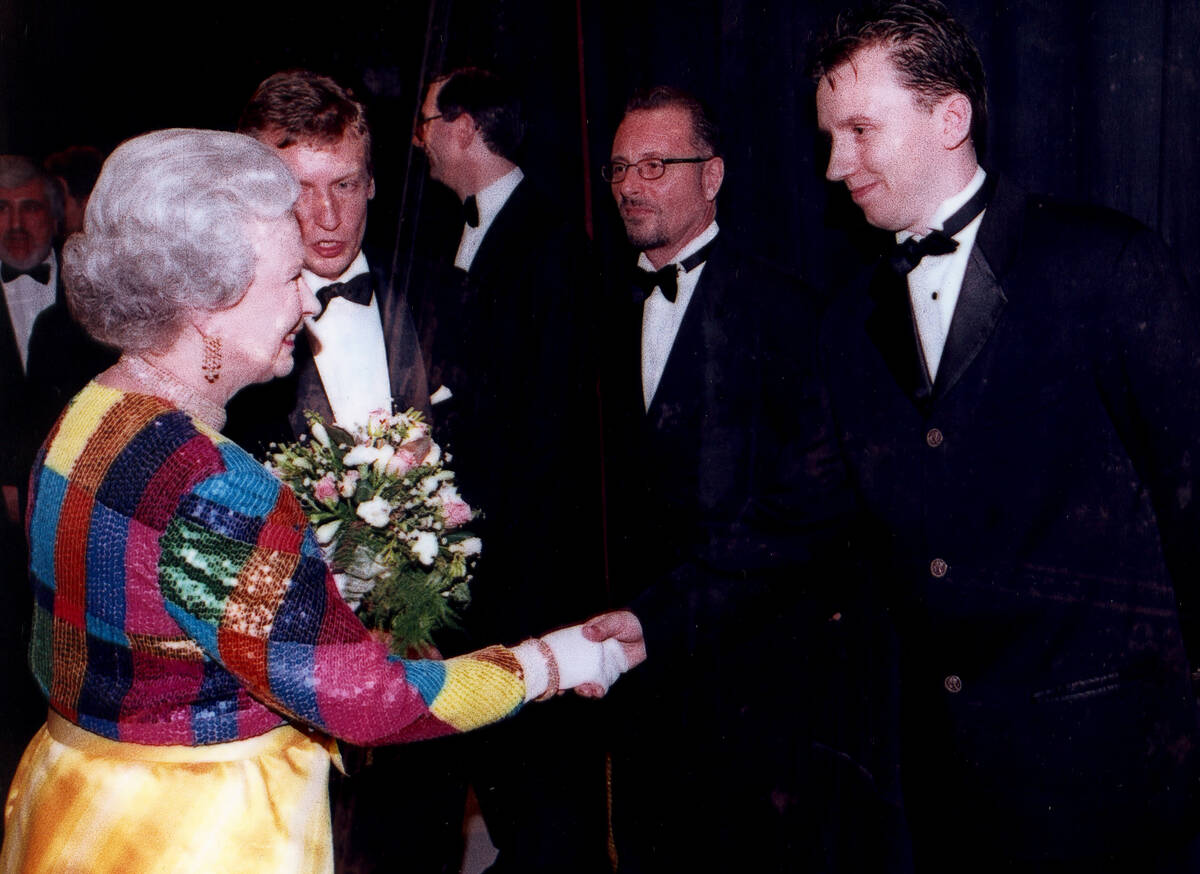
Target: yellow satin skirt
point(82, 803)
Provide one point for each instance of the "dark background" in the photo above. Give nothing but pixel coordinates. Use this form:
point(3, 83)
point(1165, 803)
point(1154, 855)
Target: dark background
point(1095, 100)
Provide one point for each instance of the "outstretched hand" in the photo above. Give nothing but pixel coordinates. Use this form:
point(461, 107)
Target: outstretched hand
point(623, 627)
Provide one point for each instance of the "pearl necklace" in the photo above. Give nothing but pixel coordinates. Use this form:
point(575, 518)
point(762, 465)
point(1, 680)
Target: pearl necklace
point(161, 383)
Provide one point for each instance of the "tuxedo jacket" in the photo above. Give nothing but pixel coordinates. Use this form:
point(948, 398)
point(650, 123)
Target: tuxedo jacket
point(720, 498)
point(62, 359)
point(275, 410)
point(510, 340)
point(1032, 519)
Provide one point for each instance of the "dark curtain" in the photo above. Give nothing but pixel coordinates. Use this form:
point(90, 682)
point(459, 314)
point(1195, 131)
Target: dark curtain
point(1095, 100)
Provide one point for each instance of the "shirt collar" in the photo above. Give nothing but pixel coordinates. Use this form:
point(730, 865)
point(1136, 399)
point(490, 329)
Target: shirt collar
point(700, 240)
point(357, 266)
point(950, 205)
point(490, 200)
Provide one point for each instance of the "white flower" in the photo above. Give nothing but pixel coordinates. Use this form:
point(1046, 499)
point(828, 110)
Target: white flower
point(328, 531)
point(375, 512)
point(386, 451)
point(425, 547)
point(318, 431)
point(434, 456)
point(468, 547)
point(361, 455)
point(429, 485)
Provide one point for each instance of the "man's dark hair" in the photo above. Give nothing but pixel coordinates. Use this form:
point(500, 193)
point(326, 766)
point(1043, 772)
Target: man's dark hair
point(299, 106)
point(491, 103)
point(706, 135)
point(78, 166)
point(933, 53)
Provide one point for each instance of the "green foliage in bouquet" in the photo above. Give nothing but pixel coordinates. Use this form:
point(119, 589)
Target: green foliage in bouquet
point(390, 520)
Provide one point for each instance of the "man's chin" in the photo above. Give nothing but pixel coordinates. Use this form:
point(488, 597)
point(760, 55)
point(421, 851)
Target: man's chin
point(642, 239)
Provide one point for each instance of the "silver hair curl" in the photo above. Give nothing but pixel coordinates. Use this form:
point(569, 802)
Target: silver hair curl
point(167, 230)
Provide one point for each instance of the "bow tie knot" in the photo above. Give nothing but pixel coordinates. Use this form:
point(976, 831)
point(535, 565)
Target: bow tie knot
point(39, 273)
point(357, 289)
point(904, 258)
point(666, 279)
point(907, 255)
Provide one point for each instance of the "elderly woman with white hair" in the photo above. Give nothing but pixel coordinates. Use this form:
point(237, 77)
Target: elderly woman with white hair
point(190, 639)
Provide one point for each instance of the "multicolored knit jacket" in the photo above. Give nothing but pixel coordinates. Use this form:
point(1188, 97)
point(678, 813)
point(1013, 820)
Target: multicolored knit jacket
point(181, 598)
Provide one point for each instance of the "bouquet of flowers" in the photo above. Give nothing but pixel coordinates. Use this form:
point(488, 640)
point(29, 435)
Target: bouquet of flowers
point(389, 518)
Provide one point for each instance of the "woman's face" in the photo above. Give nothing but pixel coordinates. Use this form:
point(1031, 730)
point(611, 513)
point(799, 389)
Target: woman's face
point(258, 333)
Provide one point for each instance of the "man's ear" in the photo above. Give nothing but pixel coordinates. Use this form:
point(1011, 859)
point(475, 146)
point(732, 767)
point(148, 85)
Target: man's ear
point(464, 131)
point(371, 189)
point(955, 115)
point(711, 176)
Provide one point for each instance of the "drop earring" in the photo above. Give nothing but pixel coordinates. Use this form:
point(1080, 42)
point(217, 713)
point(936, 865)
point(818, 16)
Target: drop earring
point(210, 365)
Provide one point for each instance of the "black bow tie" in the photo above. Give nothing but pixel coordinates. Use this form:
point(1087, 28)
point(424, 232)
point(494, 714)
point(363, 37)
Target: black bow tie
point(666, 280)
point(904, 258)
point(40, 273)
point(357, 290)
point(470, 211)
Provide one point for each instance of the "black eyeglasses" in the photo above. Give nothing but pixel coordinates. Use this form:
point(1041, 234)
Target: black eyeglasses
point(422, 120)
point(647, 168)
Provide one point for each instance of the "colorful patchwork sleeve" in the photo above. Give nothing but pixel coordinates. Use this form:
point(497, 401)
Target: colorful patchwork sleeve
point(241, 572)
point(180, 597)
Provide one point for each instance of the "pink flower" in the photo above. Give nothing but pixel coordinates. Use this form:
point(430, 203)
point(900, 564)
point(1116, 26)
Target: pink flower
point(401, 463)
point(325, 488)
point(457, 513)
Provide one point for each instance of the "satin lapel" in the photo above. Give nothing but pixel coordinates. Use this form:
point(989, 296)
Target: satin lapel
point(980, 303)
point(890, 327)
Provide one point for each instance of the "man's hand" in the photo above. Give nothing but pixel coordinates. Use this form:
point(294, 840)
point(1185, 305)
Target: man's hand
point(622, 626)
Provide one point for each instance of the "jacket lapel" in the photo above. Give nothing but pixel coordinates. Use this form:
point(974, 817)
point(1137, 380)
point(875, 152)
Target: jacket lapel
point(980, 302)
point(890, 327)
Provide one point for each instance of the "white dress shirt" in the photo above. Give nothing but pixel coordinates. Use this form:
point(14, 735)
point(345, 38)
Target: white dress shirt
point(934, 284)
point(350, 353)
point(26, 298)
point(661, 318)
point(489, 202)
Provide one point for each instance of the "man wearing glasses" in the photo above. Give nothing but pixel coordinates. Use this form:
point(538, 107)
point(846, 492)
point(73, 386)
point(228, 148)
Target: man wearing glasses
point(711, 412)
point(504, 320)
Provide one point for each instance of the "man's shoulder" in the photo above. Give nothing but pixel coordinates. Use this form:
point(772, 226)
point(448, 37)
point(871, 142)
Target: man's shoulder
point(745, 278)
point(1024, 225)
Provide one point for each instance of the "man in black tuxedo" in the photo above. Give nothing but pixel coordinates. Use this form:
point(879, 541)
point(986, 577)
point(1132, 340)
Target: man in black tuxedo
point(45, 358)
point(1017, 393)
point(505, 321)
point(722, 481)
point(361, 352)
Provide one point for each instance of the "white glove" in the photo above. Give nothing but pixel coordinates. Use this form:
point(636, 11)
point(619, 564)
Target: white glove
point(583, 661)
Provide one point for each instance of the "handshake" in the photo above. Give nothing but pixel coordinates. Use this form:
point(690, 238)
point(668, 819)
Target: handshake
point(587, 658)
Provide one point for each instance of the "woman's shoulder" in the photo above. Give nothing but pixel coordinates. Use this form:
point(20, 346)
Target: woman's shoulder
point(129, 448)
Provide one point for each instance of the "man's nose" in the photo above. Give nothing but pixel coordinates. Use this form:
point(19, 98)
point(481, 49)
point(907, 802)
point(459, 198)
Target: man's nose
point(840, 163)
point(328, 212)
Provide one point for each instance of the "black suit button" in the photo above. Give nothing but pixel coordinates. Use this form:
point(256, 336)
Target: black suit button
point(934, 438)
point(953, 684)
point(938, 568)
